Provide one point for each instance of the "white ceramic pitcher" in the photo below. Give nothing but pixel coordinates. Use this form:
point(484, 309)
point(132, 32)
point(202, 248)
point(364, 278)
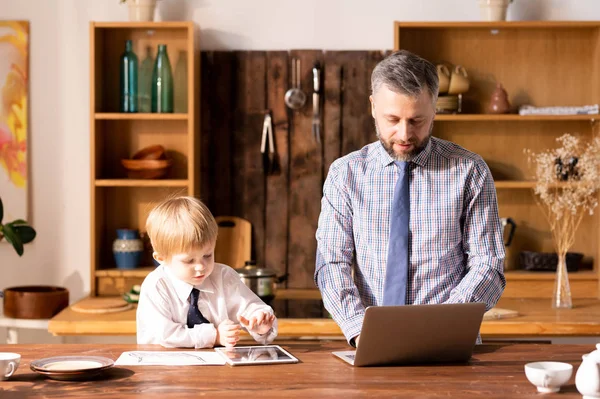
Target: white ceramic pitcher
point(587, 379)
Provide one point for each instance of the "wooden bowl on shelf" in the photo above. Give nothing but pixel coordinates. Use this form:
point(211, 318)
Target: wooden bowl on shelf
point(146, 168)
point(151, 152)
point(34, 301)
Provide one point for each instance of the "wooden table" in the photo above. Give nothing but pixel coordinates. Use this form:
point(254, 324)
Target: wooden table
point(537, 318)
point(494, 371)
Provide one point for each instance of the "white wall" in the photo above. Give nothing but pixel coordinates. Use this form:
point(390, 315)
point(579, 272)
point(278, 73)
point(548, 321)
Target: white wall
point(59, 97)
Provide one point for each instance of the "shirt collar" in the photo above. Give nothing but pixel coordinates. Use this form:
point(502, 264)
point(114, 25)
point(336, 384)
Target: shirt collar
point(184, 289)
point(385, 159)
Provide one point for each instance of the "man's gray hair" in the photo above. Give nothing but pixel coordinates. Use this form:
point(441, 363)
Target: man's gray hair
point(406, 73)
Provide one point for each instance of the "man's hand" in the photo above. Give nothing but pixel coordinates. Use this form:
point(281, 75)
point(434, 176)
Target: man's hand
point(228, 333)
point(259, 322)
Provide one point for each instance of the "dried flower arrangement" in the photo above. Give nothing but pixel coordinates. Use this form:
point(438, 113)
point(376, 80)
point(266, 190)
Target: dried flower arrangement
point(567, 179)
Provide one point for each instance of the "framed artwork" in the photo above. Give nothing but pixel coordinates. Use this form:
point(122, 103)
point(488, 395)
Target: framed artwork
point(14, 90)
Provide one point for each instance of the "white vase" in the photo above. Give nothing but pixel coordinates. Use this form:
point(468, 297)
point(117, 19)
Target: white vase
point(141, 10)
point(493, 10)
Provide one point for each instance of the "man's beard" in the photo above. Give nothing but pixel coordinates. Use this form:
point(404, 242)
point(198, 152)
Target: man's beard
point(408, 156)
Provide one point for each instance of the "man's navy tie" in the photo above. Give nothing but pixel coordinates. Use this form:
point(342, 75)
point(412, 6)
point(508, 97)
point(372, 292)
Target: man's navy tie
point(194, 316)
point(396, 276)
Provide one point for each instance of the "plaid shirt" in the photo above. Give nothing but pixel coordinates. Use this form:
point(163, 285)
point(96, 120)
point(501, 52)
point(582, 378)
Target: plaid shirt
point(455, 240)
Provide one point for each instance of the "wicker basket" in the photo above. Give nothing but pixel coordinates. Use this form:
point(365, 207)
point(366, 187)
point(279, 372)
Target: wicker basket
point(547, 261)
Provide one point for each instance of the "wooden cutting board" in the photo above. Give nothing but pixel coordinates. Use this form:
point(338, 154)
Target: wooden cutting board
point(234, 243)
point(101, 305)
point(499, 313)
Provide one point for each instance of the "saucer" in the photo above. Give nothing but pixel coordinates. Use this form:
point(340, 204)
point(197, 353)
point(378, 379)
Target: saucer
point(71, 367)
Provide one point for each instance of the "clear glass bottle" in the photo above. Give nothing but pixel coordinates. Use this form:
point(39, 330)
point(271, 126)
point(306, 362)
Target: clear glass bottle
point(162, 82)
point(180, 83)
point(128, 79)
point(145, 82)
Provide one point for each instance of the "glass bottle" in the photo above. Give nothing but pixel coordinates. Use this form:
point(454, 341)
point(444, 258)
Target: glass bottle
point(145, 82)
point(129, 79)
point(180, 83)
point(162, 82)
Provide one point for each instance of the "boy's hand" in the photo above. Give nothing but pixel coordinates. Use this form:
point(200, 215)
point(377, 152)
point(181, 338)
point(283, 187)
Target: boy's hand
point(259, 322)
point(228, 333)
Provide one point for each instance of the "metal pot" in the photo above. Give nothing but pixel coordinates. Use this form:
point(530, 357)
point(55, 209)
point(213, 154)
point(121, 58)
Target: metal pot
point(263, 282)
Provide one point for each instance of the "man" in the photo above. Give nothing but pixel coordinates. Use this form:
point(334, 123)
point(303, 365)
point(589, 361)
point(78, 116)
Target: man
point(408, 219)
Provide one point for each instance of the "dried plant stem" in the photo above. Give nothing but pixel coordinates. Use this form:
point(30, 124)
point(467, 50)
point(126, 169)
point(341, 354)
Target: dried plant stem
point(564, 226)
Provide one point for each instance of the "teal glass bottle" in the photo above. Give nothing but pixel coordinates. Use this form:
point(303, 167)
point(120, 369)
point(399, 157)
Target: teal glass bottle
point(145, 82)
point(129, 79)
point(162, 82)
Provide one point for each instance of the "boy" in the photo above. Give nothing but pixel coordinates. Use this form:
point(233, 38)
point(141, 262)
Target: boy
point(189, 300)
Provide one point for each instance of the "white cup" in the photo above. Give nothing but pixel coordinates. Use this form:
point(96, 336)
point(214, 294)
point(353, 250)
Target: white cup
point(9, 362)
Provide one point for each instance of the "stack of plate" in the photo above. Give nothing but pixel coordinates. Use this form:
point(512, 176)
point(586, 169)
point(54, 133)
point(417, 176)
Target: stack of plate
point(71, 367)
point(448, 104)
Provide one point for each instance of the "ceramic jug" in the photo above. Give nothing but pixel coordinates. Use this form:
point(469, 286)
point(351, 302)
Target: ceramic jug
point(499, 101)
point(587, 379)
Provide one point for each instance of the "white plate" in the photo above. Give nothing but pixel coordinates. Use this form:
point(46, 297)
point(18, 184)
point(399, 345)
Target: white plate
point(71, 367)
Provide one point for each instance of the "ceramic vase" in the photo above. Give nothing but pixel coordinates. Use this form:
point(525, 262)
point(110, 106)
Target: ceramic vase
point(128, 249)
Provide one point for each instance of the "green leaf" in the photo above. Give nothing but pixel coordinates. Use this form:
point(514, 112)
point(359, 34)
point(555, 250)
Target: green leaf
point(1, 211)
point(25, 233)
point(12, 237)
point(18, 222)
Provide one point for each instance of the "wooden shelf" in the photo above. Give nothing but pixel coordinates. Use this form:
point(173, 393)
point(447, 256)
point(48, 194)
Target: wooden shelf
point(141, 183)
point(500, 24)
point(143, 25)
point(118, 116)
point(117, 201)
point(527, 275)
point(504, 184)
point(113, 272)
point(513, 118)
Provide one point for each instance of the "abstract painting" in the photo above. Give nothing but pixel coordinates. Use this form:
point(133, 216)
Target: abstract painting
point(14, 82)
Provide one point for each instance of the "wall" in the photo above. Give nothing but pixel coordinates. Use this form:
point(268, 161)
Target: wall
point(59, 70)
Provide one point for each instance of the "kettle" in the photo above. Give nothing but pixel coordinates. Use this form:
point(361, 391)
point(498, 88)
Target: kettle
point(511, 233)
point(587, 379)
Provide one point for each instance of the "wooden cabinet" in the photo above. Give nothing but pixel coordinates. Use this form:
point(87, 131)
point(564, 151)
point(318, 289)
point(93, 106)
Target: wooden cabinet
point(541, 63)
point(117, 201)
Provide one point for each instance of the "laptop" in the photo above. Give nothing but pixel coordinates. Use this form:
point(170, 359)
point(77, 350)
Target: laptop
point(412, 334)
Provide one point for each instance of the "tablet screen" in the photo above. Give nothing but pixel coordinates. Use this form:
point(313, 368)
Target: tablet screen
point(269, 354)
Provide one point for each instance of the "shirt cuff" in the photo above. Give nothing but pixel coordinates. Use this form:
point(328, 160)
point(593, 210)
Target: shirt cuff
point(352, 327)
point(205, 335)
point(267, 337)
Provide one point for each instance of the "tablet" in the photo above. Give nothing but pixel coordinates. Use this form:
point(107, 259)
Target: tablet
point(253, 355)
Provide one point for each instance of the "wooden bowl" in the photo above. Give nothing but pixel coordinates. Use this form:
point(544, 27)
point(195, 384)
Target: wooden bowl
point(151, 152)
point(146, 168)
point(35, 301)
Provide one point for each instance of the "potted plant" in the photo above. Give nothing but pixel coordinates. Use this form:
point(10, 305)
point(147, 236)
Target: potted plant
point(494, 10)
point(17, 232)
point(140, 10)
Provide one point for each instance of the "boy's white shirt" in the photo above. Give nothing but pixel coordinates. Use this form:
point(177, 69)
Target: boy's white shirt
point(164, 303)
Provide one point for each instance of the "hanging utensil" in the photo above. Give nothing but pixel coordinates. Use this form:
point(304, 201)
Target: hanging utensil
point(295, 97)
point(269, 158)
point(316, 119)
